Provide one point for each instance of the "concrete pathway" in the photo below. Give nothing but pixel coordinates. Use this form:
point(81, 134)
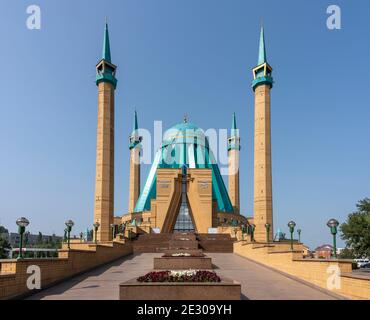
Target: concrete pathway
point(263, 283)
point(258, 282)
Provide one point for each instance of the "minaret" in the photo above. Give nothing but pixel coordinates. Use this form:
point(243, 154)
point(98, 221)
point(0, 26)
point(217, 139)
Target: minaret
point(234, 150)
point(104, 181)
point(262, 85)
point(135, 149)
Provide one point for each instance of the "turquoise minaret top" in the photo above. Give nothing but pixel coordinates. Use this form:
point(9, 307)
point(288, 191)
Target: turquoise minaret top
point(262, 72)
point(105, 70)
point(262, 50)
point(233, 126)
point(135, 139)
point(234, 140)
point(135, 126)
point(106, 46)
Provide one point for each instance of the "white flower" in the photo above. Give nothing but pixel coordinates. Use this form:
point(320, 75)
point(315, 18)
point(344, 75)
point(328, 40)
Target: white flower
point(181, 254)
point(180, 273)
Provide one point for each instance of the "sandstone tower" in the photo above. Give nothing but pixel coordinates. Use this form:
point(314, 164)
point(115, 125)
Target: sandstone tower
point(262, 85)
point(104, 181)
point(135, 149)
point(234, 150)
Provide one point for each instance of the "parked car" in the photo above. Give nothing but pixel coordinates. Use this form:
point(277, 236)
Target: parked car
point(366, 266)
point(361, 262)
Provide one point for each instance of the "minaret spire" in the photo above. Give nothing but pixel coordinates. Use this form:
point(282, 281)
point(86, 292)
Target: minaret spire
point(233, 126)
point(233, 152)
point(135, 126)
point(262, 73)
point(262, 49)
point(105, 69)
point(135, 150)
point(106, 45)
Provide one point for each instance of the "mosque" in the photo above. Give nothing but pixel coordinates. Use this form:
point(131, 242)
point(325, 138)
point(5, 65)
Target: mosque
point(184, 190)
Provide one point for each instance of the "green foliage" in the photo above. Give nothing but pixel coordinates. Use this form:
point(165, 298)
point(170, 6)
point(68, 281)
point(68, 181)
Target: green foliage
point(39, 238)
point(347, 254)
point(3, 230)
point(356, 230)
point(4, 244)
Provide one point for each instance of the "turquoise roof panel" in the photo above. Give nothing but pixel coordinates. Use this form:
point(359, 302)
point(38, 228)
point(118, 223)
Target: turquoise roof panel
point(185, 144)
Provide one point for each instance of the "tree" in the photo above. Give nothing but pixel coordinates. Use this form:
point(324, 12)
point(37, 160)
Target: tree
point(4, 244)
point(347, 254)
point(3, 230)
point(356, 230)
point(39, 238)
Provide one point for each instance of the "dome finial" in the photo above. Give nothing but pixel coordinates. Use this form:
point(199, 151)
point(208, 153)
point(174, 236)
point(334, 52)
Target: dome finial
point(185, 118)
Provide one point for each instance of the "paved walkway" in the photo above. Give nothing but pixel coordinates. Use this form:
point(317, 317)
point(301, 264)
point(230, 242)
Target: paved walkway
point(258, 282)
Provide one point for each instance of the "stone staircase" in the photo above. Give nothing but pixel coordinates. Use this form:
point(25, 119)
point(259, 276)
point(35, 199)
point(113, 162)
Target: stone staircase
point(152, 242)
point(222, 243)
point(162, 242)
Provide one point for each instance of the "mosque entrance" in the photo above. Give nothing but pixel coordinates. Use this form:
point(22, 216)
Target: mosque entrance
point(184, 222)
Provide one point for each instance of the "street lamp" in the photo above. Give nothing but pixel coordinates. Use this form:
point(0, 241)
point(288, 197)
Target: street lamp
point(299, 235)
point(243, 231)
point(69, 224)
point(291, 226)
point(113, 226)
point(253, 227)
point(96, 227)
point(333, 225)
point(22, 223)
point(267, 226)
point(81, 236)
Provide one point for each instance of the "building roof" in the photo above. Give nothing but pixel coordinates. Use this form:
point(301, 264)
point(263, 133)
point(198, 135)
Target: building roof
point(185, 144)
point(324, 247)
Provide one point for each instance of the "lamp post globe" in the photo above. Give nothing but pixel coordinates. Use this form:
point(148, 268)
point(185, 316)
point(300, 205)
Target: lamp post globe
point(291, 226)
point(333, 225)
point(267, 226)
point(22, 223)
point(69, 224)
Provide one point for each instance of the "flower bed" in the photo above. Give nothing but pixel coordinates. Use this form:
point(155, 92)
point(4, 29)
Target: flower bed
point(180, 276)
point(183, 255)
point(226, 289)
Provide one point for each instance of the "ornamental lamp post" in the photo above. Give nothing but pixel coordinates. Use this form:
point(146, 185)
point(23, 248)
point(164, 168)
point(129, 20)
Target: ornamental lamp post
point(267, 226)
point(22, 223)
point(299, 235)
point(69, 224)
point(291, 226)
point(253, 227)
point(96, 226)
point(243, 231)
point(333, 225)
point(113, 226)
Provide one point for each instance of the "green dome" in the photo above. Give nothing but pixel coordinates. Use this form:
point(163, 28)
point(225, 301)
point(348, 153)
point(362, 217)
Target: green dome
point(184, 132)
point(185, 144)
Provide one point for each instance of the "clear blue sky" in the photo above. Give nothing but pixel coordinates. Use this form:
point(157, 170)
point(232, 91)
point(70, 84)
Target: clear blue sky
point(176, 57)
